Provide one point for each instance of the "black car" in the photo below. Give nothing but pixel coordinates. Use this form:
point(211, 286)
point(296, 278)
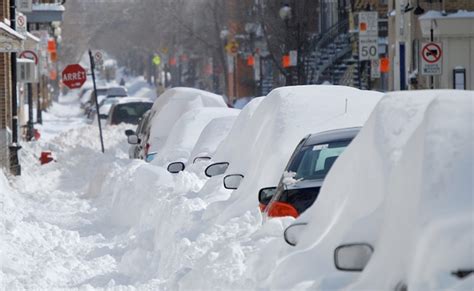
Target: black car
point(305, 173)
point(130, 110)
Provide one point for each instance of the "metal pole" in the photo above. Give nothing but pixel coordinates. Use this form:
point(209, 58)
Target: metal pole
point(431, 39)
point(39, 116)
point(91, 58)
point(15, 167)
point(30, 128)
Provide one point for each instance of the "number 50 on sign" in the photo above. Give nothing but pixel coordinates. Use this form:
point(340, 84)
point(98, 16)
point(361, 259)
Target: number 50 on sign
point(368, 49)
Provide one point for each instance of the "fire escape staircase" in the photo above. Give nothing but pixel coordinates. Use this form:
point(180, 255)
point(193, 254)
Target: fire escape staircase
point(330, 58)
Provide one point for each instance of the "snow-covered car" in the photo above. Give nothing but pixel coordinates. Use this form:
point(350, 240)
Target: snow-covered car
point(104, 109)
point(283, 118)
point(128, 110)
point(105, 105)
point(304, 175)
point(183, 136)
point(117, 92)
point(134, 137)
point(212, 135)
point(168, 108)
point(235, 141)
point(89, 100)
point(400, 216)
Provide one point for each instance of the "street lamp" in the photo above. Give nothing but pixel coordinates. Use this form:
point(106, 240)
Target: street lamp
point(224, 33)
point(285, 13)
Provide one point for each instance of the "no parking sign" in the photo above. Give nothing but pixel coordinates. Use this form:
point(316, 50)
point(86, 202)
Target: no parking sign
point(431, 58)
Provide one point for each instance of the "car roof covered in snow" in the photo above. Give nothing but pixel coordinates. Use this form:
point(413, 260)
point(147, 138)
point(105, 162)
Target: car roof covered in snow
point(171, 105)
point(133, 99)
point(212, 135)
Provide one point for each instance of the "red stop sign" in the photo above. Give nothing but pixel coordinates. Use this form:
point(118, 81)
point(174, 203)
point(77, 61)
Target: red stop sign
point(74, 76)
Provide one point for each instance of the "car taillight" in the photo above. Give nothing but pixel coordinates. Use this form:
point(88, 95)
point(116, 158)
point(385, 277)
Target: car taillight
point(147, 147)
point(280, 209)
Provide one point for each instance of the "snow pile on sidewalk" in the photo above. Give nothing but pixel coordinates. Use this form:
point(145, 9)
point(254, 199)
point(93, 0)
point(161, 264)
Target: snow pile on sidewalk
point(410, 166)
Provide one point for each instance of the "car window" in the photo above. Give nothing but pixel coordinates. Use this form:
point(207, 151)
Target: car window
point(130, 112)
point(315, 161)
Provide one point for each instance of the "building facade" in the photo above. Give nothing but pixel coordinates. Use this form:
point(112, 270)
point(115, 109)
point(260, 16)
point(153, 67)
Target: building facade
point(447, 24)
point(31, 58)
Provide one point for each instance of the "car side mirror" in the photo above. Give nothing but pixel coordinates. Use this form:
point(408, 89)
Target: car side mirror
point(129, 132)
point(150, 157)
point(216, 169)
point(266, 194)
point(292, 233)
point(103, 116)
point(233, 181)
point(352, 257)
point(201, 159)
point(133, 139)
point(176, 167)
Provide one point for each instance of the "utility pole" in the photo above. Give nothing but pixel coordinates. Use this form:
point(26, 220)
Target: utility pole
point(15, 167)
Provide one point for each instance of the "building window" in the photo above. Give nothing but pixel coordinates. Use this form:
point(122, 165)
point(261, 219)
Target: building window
point(459, 79)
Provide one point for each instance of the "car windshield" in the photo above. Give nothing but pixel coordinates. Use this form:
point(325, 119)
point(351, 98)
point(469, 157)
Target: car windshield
point(314, 161)
point(130, 112)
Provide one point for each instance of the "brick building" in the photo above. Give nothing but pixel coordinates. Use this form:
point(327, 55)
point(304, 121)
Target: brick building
point(10, 41)
point(40, 16)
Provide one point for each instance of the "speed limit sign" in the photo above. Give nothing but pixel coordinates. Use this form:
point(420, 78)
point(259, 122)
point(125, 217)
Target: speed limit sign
point(368, 49)
point(368, 36)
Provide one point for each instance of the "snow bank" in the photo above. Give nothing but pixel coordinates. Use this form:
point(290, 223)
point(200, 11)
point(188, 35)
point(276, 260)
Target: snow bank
point(371, 170)
point(185, 133)
point(171, 105)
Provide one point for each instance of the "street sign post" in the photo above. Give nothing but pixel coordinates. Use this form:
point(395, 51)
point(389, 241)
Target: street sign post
point(74, 76)
point(29, 54)
point(368, 36)
point(91, 59)
point(21, 23)
point(375, 69)
point(98, 58)
point(431, 58)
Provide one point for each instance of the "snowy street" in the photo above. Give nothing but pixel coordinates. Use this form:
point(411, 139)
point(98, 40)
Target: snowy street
point(236, 145)
point(90, 220)
point(82, 221)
